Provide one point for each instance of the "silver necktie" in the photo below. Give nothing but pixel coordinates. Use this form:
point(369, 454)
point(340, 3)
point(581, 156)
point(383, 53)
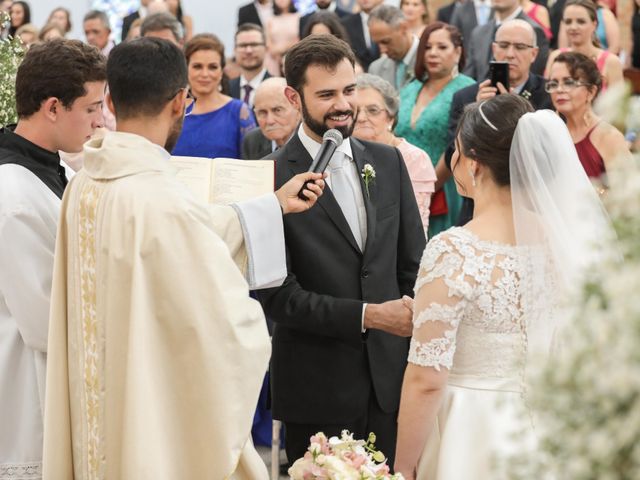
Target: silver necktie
point(345, 195)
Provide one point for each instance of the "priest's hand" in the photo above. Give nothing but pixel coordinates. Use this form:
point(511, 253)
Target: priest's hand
point(288, 194)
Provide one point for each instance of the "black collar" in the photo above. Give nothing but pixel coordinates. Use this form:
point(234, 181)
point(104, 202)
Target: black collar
point(42, 163)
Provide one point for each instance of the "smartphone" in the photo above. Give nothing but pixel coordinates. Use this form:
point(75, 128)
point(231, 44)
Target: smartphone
point(499, 72)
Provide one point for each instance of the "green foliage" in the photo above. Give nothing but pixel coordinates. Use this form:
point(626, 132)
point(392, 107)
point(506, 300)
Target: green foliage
point(11, 53)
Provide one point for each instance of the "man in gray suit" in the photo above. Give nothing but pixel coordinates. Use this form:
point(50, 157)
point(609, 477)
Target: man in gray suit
point(277, 120)
point(480, 54)
point(398, 46)
point(467, 15)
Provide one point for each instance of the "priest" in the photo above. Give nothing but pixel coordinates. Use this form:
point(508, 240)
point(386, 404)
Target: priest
point(156, 351)
point(59, 93)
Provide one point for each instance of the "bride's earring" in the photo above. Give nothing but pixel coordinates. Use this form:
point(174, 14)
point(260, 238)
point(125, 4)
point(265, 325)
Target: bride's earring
point(473, 178)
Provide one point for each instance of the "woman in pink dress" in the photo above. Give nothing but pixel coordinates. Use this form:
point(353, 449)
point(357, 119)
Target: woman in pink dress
point(282, 32)
point(378, 104)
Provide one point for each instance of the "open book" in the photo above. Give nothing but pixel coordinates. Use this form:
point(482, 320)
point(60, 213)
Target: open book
point(225, 180)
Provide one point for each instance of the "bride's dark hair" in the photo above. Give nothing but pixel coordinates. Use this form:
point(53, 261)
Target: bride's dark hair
point(488, 139)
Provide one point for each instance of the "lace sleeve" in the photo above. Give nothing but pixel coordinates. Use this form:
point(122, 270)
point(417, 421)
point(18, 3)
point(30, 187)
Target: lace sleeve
point(441, 290)
point(246, 122)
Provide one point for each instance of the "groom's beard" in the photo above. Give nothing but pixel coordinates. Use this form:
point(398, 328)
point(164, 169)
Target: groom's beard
point(174, 134)
point(320, 128)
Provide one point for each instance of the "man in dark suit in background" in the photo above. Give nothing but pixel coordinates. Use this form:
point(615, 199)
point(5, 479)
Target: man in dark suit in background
point(250, 49)
point(277, 120)
point(358, 29)
point(326, 6)
point(480, 51)
point(339, 346)
point(257, 12)
point(514, 43)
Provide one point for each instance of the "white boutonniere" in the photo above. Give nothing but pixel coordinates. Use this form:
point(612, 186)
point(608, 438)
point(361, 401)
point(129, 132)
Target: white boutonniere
point(368, 175)
point(526, 94)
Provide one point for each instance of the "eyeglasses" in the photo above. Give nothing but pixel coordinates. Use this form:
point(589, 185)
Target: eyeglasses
point(244, 46)
point(520, 47)
point(372, 110)
point(567, 85)
point(189, 102)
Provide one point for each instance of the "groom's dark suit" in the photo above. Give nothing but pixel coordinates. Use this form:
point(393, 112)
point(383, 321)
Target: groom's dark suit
point(325, 371)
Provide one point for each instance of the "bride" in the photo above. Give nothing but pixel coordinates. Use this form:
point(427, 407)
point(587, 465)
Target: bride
point(485, 291)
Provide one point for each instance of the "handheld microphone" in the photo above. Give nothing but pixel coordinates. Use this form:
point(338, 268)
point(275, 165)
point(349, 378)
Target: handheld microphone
point(331, 140)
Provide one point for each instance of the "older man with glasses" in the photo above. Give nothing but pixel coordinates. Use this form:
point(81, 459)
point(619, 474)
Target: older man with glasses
point(515, 43)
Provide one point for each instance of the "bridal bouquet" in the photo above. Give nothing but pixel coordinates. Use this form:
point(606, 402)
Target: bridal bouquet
point(587, 400)
point(11, 53)
point(342, 459)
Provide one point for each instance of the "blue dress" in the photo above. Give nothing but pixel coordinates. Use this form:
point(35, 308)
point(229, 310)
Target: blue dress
point(216, 134)
point(430, 134)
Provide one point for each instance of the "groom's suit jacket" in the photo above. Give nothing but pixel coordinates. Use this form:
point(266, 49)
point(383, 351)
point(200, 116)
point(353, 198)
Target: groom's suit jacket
point(323, 367)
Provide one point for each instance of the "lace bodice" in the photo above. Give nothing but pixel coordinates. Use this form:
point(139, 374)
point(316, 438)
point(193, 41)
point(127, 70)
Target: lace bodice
point(473, 298)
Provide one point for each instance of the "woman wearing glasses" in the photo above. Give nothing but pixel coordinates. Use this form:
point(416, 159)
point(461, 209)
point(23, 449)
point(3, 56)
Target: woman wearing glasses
point(580, 22)
point(573, 83)
point(215, 124)
point(378, 104)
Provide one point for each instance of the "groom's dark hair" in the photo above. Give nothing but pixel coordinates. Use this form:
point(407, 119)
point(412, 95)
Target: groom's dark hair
point(485, 132)
point(143, 75)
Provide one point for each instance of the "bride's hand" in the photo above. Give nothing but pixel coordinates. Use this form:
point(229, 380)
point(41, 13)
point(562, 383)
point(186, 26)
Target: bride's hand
point(408, 474)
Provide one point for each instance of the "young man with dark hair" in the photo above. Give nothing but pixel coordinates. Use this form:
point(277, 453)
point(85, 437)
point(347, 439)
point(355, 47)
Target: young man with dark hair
point(250, 50)
point(59, 93)
point(157, 353)
point(339, 342)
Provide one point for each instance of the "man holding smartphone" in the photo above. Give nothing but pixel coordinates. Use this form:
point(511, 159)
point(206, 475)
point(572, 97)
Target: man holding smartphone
point(514, 44)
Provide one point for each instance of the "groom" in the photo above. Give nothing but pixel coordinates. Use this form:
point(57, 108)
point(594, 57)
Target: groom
point(339, 343)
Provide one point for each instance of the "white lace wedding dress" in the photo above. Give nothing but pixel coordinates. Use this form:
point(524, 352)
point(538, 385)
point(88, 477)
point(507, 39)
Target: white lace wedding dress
point(476, 326)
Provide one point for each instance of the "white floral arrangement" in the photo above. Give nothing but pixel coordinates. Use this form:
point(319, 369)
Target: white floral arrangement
point(11, 53)
point(342, 459)
point(586, 401)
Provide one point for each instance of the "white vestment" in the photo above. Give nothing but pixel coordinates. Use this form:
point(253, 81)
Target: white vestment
point(28, 225)
point(156, 351)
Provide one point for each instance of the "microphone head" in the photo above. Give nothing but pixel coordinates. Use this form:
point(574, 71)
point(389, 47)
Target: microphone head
point(332, 135)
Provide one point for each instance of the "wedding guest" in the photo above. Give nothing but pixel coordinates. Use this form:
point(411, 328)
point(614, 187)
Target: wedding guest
point(97, 31)
point(398, 46)
point(580, 19)
point(574, 81)
point(129, 19)
point(425, 104)
point(28, 34)
point(162, 25)
point(327, 6)
point(514, 43)
point(250, 52)
point(61, 16)
point(607, 31)
point(20, 14)
point(357, 27)
point(257, 12)
point(416, 14)
point(277, 120)
point(281, 32)
point(50, 31)
point(175, 9)
point(539, 14)
point(378, 104)
point(217, 123)
point(134, 30)
point(479, 53)
point(323, 22)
